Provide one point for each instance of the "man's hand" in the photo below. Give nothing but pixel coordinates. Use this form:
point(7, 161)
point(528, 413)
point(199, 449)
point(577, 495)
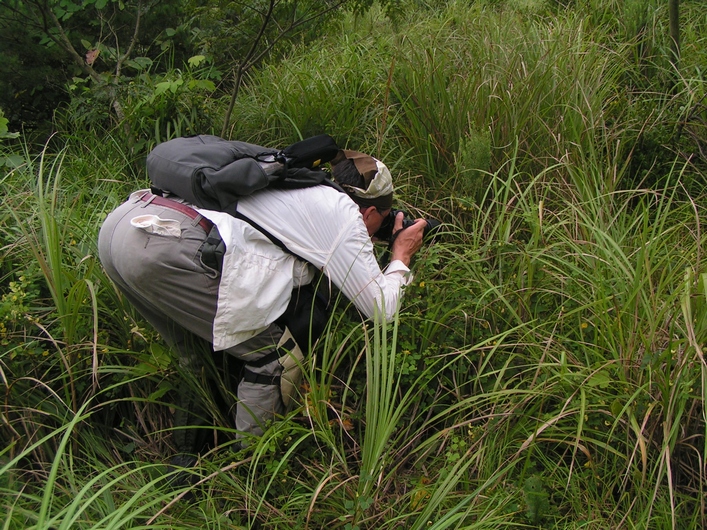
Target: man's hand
point(408, 241)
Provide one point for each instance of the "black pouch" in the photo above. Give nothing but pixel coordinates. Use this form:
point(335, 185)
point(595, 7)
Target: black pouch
point(306, 315)
point(212, 250)
point(310, 152)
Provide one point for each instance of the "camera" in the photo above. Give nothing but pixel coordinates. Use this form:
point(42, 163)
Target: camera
point(385, 232)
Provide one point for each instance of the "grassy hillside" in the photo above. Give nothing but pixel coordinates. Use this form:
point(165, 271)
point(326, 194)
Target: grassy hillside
point(546, 369)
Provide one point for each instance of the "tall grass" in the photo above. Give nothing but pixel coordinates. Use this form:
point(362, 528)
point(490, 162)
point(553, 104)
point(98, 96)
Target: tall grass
point(547, 368)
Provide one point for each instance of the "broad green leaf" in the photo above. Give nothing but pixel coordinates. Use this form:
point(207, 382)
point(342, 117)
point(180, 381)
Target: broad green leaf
point(14, 160)
point(202, 84)
point(162, 389)
point(616, 408)
point(536, 498)
point(174, 86)
point(160, 355)
point(161, 88)
point(601, 379)
point(140, 63)
point(196, 60)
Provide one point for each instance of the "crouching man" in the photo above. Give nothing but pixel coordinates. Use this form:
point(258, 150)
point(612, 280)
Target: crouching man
point(249, 301)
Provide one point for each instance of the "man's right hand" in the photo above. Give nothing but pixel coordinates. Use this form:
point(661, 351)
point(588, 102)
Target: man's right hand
point(408, 241)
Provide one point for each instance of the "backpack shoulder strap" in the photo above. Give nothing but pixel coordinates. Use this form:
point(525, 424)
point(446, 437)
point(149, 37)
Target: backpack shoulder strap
point(332, 184)
point(275, 241)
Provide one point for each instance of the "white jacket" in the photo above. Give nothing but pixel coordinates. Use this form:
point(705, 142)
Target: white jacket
point(320, 224)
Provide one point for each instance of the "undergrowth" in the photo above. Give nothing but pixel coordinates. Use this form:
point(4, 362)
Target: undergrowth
point(546, 369)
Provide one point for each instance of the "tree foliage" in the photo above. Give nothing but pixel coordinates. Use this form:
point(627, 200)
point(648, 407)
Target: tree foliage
point(101, 55)
point(263, 27)
point(105, 41)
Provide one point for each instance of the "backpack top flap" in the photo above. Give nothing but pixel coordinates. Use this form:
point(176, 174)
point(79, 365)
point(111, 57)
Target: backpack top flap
point(206, 170)
point(220, 189)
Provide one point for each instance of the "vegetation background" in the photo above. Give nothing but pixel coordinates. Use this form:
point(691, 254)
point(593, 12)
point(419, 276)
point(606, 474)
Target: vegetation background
point(547, 368)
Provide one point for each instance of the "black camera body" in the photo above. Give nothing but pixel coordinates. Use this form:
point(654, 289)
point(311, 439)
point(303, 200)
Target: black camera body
point(385, 232)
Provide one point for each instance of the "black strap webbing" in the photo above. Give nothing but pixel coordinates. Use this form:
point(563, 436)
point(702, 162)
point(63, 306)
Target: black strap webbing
point(260, 379)
point(273, 355)
point(275, 241)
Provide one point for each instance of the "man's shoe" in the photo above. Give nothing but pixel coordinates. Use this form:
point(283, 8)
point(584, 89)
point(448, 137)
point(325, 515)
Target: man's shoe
point(178, 473)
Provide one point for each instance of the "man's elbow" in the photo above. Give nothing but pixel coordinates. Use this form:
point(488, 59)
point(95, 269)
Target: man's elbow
point(385, 310)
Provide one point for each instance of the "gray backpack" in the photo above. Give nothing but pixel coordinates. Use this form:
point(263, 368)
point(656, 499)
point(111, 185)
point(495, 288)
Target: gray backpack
point(213, 173)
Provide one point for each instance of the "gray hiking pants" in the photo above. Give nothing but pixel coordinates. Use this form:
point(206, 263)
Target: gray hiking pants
point(164, 278)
